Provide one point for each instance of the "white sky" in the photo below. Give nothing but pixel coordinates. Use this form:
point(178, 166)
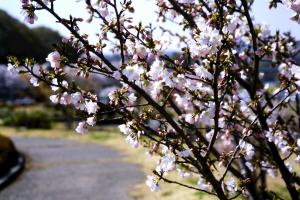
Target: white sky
point(277, 19)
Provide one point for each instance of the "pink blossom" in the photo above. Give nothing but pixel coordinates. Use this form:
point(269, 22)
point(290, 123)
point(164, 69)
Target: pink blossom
point(77, 99)
point(104, 12)
point(24, 2)
point(30, 18)
point(295, 7)
point(54, 59)
point(65, 99)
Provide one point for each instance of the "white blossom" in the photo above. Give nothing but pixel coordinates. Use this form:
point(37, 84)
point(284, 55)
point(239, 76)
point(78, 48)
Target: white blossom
point(289, 166)
point(270, 136)
point(132, 99)
point(133, 72)
point(91, 107)
point(264, 31)
point(152, 183)
point(209, 41)
point(156, 88)
point(182, 101)
point(91, 121)
point(202, 72)
point(34, 81)
point(165, 41)
point(125, 128)
point(209, 134)
point(184, 174)
point(189, 118)
point(167, 163)
point(12, 69)
point(64, 84)
point(156, 70)
point(54, 87)
point(116, 75)
point(248, 148)
point(231, 186)
point(131, 141)
point(272, 172)
point(54, 99)
point(202, 184)
point(185, 153)
point(286, 150)
point(232, 24)
point(164, 149)
point(297, 159)
point(81, 128)
point(250, 166)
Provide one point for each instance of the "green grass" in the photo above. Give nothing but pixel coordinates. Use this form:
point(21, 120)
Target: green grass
point(200, 195)
point(166, 193)
point(101, 136)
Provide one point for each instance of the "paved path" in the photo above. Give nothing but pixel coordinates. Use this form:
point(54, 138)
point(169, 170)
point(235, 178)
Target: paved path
point(67, 170)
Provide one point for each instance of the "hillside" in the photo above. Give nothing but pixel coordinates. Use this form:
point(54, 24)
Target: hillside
point(18, 40)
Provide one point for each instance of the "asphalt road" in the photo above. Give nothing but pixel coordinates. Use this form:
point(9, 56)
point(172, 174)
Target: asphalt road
point(67, 170)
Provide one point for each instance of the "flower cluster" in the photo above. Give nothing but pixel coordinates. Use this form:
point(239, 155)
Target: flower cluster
point(207, 110)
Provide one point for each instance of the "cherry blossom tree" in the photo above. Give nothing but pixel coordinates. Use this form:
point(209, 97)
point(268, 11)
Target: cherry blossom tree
point(206, 111)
